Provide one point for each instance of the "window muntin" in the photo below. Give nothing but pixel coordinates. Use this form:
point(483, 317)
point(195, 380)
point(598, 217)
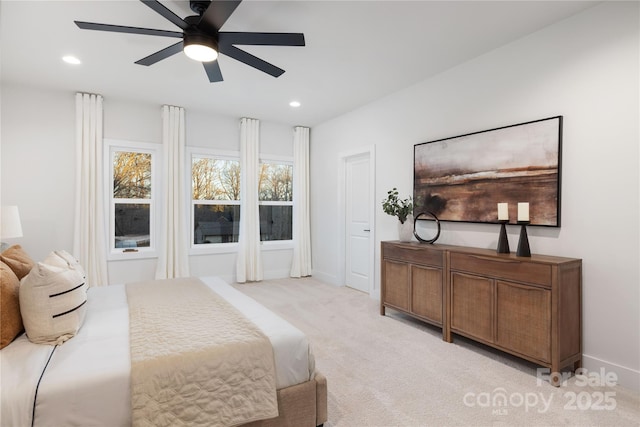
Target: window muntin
point(275, 193)
point(215, 193)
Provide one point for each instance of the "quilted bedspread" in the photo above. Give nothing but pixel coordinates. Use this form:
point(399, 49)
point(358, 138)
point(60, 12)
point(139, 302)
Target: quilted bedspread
point(196, 360)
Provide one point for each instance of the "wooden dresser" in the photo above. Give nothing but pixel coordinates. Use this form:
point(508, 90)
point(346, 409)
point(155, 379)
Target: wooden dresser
point(527, 306)
point(413, 281)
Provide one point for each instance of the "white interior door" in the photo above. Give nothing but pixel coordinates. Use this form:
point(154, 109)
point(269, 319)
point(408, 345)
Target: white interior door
point(357, 222)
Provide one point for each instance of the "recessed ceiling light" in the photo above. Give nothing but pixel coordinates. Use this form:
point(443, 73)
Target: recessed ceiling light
point(71, 60)
point(295, 104)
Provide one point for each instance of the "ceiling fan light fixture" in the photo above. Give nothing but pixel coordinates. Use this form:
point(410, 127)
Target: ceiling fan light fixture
point(200, 47)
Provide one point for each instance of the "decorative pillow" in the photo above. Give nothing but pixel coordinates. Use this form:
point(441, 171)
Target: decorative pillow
point(10, 319)
point(53, 300)
point(62, 258)
point(19, 261)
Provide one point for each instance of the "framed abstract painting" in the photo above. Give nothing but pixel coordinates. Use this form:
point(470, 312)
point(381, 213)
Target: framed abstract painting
point(463, 178)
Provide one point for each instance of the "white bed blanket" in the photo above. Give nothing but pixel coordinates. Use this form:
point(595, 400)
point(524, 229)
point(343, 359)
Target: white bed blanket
point(87, 382)
point(195, 359)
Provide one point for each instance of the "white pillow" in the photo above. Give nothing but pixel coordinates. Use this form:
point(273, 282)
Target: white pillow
point(53, 300)
point(62, 258)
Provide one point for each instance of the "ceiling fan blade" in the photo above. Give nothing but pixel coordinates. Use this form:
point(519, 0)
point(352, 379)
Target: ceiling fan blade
point(213, 71)
point(166, 13)
point(161, 54)
point(129, 30)
point(217, 14)
point(261, 39)
point(251, 60)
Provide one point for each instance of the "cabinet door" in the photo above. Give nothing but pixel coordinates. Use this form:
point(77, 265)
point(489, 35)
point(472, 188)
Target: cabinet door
point(472, 306)
point(524, 319)
point(396, 284)
point(426, 292)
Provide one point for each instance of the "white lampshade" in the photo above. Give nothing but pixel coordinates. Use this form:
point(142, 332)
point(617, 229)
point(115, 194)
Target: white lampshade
point(10, 226)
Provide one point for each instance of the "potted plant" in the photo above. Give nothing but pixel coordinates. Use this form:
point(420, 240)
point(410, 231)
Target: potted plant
point(401, 208)
point(395, 206)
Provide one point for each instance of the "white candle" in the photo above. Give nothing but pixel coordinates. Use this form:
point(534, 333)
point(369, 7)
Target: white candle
point(523, 211)
point(503, 211)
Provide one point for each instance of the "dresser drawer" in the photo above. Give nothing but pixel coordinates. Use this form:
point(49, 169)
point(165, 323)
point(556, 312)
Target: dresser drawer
point(415, 254)
point(502, 268)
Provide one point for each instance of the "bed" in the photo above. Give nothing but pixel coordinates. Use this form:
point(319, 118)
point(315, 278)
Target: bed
point(87, 380)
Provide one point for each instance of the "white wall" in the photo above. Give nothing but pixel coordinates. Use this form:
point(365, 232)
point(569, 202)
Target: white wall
point(38, 166)
point(38, 170)
point(585, 68)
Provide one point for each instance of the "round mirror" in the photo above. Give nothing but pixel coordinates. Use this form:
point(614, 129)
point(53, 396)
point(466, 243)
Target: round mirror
point(429, 224)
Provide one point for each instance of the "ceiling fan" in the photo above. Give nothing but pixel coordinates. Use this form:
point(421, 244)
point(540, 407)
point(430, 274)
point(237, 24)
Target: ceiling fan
point(202, 39)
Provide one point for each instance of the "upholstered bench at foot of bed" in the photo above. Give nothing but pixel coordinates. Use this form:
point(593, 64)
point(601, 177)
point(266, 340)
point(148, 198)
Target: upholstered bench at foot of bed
point(300, 405)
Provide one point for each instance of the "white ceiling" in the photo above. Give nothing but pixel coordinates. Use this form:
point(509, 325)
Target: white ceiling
point(356, 51)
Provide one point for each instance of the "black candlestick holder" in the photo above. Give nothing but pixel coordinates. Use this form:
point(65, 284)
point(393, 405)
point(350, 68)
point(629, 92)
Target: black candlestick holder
point(503, 242)
point(523, 243)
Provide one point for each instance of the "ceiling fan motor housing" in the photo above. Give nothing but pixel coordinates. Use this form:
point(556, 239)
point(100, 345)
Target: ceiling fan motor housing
point(197, 37)
point(199, 6)
point(194, 35)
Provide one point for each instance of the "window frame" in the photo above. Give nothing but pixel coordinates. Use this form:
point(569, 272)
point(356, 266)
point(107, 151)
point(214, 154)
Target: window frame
point(283, 160)
point(207, 248)
point(155, 150)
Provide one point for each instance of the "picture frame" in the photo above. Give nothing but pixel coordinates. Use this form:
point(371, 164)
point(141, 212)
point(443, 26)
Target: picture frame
point(463, 178)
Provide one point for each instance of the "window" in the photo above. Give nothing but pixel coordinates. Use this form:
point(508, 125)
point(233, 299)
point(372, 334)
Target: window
point(275, 191)
point(215, 185)
point(132, 197)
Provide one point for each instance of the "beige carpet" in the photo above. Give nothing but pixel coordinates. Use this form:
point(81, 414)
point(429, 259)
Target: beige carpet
point(394, 371)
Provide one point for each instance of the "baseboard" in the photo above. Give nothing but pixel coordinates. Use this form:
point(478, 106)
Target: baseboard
point(276, 274)
point(627, 377)
point(283, 274)
point(326, 278)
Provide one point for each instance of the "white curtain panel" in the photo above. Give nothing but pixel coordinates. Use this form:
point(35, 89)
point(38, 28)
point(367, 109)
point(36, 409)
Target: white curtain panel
point(301, 262)
point(249, 267)
point(173, 260)
point(89, 240)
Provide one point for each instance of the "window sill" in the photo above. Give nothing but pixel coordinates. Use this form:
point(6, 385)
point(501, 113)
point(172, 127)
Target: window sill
point(276, 245)
point(226, 248)
point(220, 248)
point(122, 256)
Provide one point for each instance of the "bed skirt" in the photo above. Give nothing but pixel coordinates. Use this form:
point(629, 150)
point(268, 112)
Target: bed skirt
point(300, 405)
